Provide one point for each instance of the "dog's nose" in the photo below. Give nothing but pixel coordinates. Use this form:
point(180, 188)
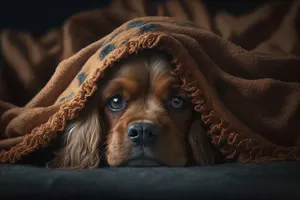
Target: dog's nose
point(143, 133)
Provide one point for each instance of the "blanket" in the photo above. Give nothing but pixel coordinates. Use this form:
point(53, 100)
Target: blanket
point(242, 73)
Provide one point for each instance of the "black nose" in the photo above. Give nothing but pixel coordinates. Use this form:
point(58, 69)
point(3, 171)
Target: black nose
point(143, 133)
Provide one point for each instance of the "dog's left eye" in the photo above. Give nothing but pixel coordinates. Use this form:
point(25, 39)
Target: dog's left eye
point(177, 102)
point(116, 103)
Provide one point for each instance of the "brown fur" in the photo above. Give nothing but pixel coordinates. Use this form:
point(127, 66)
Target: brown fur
point(146, 83)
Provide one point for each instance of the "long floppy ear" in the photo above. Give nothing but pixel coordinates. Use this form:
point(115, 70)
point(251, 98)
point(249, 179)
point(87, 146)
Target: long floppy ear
point(81, 144)
point(202, 152)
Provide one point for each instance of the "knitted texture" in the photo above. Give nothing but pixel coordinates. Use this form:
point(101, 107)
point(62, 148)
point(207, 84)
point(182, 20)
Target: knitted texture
point(248, 97)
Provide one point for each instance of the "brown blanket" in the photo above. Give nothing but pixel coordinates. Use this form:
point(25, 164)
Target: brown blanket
point(243, 73)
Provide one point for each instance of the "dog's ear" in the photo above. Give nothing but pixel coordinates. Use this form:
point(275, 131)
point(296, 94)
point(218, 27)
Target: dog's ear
point(81, 144)
point(202, 152)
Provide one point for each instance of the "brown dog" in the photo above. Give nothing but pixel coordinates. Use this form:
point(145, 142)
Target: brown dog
point(140, 116)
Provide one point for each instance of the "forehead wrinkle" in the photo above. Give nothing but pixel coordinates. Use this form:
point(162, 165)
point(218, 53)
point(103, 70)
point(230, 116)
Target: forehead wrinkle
point(134, 69)
point(121, 84)
point(162, 81)
point(158, 66)
point(131, 77)
point(166, 86)
point(154, 105)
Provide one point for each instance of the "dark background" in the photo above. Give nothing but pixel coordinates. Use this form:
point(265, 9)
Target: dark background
point(39, 16)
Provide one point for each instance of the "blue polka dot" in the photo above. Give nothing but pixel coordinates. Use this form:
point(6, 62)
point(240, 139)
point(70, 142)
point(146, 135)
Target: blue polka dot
point(110, 39)
point(106, 50)
point(81, 77)
point(124, 41)
point(114, 35)
point(67, 97)
point(149, 27)
point(135, 24)
point(102, 44)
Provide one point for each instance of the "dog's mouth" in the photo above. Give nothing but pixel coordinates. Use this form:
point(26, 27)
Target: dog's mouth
point(142, 161)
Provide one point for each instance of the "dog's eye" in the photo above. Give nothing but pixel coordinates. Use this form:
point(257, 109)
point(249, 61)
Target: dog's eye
point(177, 102)
point(116, 103)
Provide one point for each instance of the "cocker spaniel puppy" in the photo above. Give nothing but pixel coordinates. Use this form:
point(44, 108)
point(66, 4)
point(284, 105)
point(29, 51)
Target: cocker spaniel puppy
point(140, 116)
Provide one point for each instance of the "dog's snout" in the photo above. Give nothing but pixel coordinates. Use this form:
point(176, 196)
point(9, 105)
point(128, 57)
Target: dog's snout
point(143, 133)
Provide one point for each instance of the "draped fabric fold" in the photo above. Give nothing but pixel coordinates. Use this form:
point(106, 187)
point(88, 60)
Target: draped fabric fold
point(242, 72)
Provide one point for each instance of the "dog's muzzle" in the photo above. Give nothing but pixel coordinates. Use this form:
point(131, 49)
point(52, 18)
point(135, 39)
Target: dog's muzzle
point(144, 135)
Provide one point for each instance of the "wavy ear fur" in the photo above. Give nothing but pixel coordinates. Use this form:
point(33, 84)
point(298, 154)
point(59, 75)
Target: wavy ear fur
point(202, 152)
point(81, 144)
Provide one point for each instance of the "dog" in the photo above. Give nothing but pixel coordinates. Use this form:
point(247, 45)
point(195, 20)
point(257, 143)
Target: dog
point(139, 117)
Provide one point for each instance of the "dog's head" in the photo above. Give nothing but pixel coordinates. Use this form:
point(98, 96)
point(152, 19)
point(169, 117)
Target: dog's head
point(140, 116)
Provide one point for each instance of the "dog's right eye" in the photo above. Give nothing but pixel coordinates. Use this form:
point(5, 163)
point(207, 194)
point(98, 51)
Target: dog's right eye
point(116, 103)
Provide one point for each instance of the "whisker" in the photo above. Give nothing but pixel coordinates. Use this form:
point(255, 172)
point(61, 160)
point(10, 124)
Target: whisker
point(103, 144)
point(103, 149)
point(102, 154)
